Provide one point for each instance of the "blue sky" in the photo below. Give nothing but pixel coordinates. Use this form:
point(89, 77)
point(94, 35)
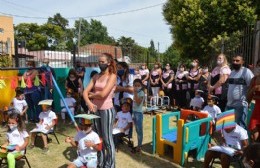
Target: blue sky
point(142, 25)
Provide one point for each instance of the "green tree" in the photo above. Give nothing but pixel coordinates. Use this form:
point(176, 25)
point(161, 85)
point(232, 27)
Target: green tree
point(172, 56)
point(153, 52)
point(58, 20)
point(93, 32)
point(195, 23)
point(31, 34)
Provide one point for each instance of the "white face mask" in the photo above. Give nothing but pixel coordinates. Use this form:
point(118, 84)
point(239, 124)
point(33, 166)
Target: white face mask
point(68, 95)
point(205, 70)
point(138, 88)
point(194, 64)
point(220, 62)
point(181, 69)
point(13, 126)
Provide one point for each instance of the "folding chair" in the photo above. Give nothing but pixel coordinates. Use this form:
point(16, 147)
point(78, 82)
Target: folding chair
point(23, 157)
point(51, 132)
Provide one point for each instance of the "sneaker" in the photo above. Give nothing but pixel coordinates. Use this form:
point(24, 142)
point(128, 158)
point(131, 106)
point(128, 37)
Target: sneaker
point(45, 150)
point(31, 147)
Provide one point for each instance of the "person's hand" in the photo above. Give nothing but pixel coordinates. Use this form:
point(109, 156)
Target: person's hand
point(238, 152)
point(92, 107)
point(68, 139)
point(48, 127)
point(89, 144)
point(17, 148)
point(90, 95)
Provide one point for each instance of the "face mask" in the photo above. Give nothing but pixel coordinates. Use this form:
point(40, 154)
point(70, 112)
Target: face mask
point(181, 69)
point(210, 103)
point(138, 88)
point(167, 68)
point(143, 67)
point(194, 64)
point(219, 62)
point(44, 64)
point(205, 70)
point(236, 66)
point(120, 72)
point(12, 127)
point(156, 66)
point(103, 67)
point(68, 95)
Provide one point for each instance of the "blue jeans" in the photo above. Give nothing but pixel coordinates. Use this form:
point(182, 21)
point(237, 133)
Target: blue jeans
point(240, 115)
point(32, 100)
point(138, 121)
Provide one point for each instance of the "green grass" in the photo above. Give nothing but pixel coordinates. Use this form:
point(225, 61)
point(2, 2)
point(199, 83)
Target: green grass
point(61, 154)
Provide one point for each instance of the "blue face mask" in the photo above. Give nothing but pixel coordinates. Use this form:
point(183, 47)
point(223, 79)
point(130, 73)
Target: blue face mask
point(120, 72)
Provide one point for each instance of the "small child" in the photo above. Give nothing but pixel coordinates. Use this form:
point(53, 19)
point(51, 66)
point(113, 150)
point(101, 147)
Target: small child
point(20, 104)
point(88, 143)
point(236, 138)
point(212, 109)
point(17, 139)
point(123, 123)
point(47, 122)
point(70, 101)
point(197, 102)
point(138, 112)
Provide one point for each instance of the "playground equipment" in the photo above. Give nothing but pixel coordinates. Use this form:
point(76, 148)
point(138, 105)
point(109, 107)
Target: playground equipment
point(170, 129)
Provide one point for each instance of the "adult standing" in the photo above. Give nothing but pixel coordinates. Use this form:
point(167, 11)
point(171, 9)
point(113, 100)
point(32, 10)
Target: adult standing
point(181, 86)
point(155, 76)
point(193, 77)
point(218, 81)
point(144, 72)
point(166, 79)
point(203, 83)
point(98, 96)
point(254, 93)
point(46, 72)
point(32, 92)
point(238, 83)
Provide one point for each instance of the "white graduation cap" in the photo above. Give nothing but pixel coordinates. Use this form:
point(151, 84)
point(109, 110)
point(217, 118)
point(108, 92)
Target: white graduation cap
point(46, 102)
point(87, 118)
point(199, 91)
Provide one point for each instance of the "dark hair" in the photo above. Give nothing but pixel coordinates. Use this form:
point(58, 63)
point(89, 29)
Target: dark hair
point(72, 72)
point(18, 92)
point(112, 66)
point(127, 71)
point(138, 81)
point(18, 118)
point(93, 73)
point(252, 152)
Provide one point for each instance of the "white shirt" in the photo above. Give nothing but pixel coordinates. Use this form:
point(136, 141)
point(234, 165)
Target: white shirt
point(197, 102)
point(16, 138)
point(212, 111)
point(70, 101)
point(86, 152)
point(129, 82)
point(19, 104)
point(235, 137)
point(47, 117)
point(123, 120)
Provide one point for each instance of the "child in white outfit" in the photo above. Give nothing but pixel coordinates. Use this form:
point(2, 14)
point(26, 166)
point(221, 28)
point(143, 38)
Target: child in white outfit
point(197, 102)
point(88, 143)
point(20, 105)
point(71, 102)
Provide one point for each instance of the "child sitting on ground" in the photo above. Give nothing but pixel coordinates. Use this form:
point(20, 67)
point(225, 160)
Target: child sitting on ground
point(235, 138)
point(17, 139)
point(123, 123)
point(20, 105)
point(198, 101)
point(47, 122)
point(88, 143)
point(71, 102)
